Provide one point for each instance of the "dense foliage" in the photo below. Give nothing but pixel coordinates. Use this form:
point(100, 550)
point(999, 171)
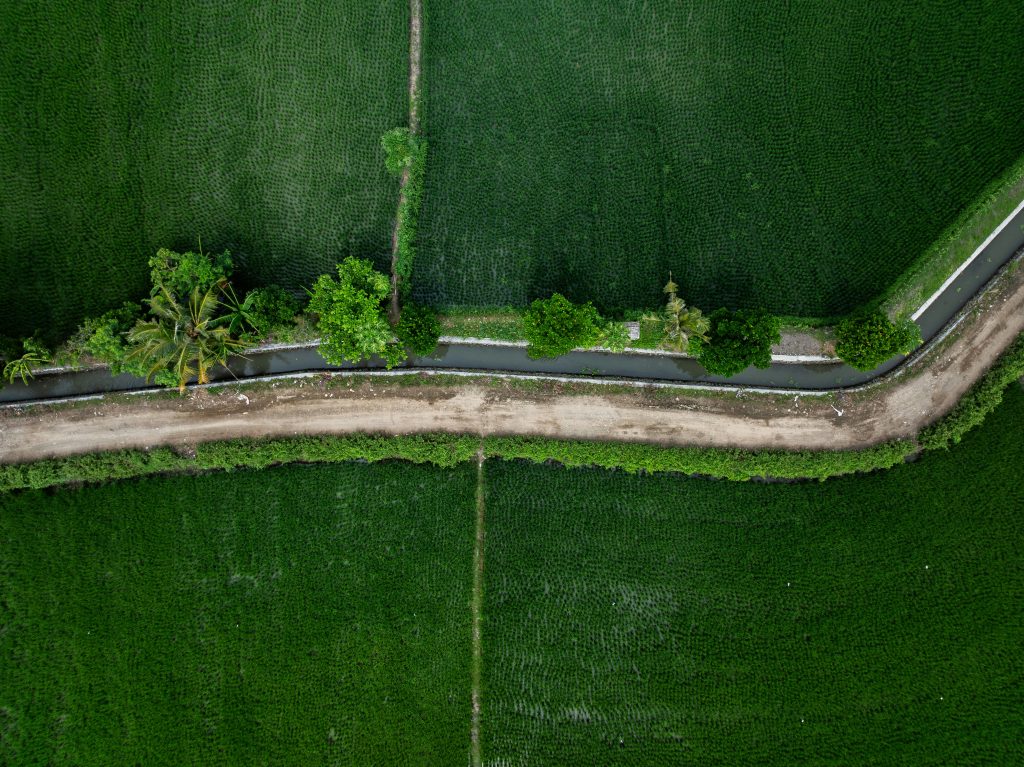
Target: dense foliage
point(181, 273)
point(667, 621)
point(129, 127)
point(419, 328)
point(866, 341)
point(439, 449)
point(736, 340)
point(351, 315)
point(555, 326)
point(734, 464)
point(589, 148)
point(183, 336)
point(979, 401)
point(23, 362)
point(409, 214)
point(676, 324)
point(294, 616)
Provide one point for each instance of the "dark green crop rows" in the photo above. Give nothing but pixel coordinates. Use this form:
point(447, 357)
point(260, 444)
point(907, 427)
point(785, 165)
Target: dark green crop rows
point(662, 621)
point(302, 615)
point(796, 156)
point(127, 127)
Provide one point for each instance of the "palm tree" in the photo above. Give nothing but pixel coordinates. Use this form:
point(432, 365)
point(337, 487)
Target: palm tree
point(680, 323)
point(186, 339)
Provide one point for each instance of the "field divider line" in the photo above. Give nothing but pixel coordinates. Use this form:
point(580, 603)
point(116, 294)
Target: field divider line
point(477, 613)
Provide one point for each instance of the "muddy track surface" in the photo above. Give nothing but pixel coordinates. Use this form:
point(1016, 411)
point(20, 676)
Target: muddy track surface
point(897, 406)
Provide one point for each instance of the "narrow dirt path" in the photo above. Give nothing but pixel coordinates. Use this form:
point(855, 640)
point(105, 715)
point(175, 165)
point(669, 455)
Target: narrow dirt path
point(898, 406)
point(477, 609)
point(415, 50)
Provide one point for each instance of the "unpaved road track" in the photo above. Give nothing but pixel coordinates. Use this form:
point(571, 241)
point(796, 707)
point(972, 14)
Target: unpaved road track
point(897, 406)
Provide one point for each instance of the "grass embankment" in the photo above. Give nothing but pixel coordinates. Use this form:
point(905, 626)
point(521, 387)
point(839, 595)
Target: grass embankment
point(299, 615)
point(129, 127)
point(656, 620)
point(591, 151)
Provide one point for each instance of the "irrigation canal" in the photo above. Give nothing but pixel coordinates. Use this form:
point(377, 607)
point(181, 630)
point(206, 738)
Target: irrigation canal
point(933, 316)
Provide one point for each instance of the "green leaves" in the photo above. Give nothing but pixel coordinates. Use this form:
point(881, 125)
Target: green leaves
point(351, 314)
point(181, 273)
point(679, 323)
point(866, 341)
point(736, 340)
point(418, 328)
point(185, 339)
point(397, 145)
point(555, 326)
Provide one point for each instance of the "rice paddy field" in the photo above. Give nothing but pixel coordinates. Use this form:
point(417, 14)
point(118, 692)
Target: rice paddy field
point(322, 615)
point(302, 615)
point(655, 621)
point(133, 126)
point(796, 156)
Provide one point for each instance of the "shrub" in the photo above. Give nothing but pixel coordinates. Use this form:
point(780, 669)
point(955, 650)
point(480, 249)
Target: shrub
point(722, 463)
point(555, 326)
point(181, 273)
point(980, 400)
point(409, 214)
point(419, 328)
point(397, 145)
point(272, 307)
point(105, 339)
point(351, 315)
point(614, 336)
point(737, 340)
point(866, 341)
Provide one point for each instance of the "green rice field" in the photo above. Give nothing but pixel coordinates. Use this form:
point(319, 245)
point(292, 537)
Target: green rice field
point(321, 615)
point(793, 156)
point(128, 127)
point(303, 615)
point(656, 620)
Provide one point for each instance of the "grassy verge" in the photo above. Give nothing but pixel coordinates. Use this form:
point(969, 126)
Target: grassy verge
point(956, 244)
point(440, 450)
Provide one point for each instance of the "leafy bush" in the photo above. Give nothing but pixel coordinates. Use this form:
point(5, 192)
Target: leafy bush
point(737, 340)
point(866, 341)
point(409, 214)
point(418, 328)
point(555, 326)
point(712, 462)
point(614, 336)
point(272, 307)
point(397, 145)
point(104, 338)
point(351, 314)
point(442, 449)
point(263, 310)
point(181, 273)
point(980, 400)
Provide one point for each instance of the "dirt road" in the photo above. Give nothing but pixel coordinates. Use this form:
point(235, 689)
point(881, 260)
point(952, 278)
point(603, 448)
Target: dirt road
point(897, 406)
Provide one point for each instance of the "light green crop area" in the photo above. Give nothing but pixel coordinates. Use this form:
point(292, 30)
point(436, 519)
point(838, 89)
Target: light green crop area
point(796, 156)
point(302, 615)
point(665, 621)
point(128, 127)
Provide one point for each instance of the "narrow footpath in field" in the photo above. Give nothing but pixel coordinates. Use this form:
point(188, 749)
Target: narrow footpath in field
point(415, 48)
point(477, 608)
point(896, 406)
